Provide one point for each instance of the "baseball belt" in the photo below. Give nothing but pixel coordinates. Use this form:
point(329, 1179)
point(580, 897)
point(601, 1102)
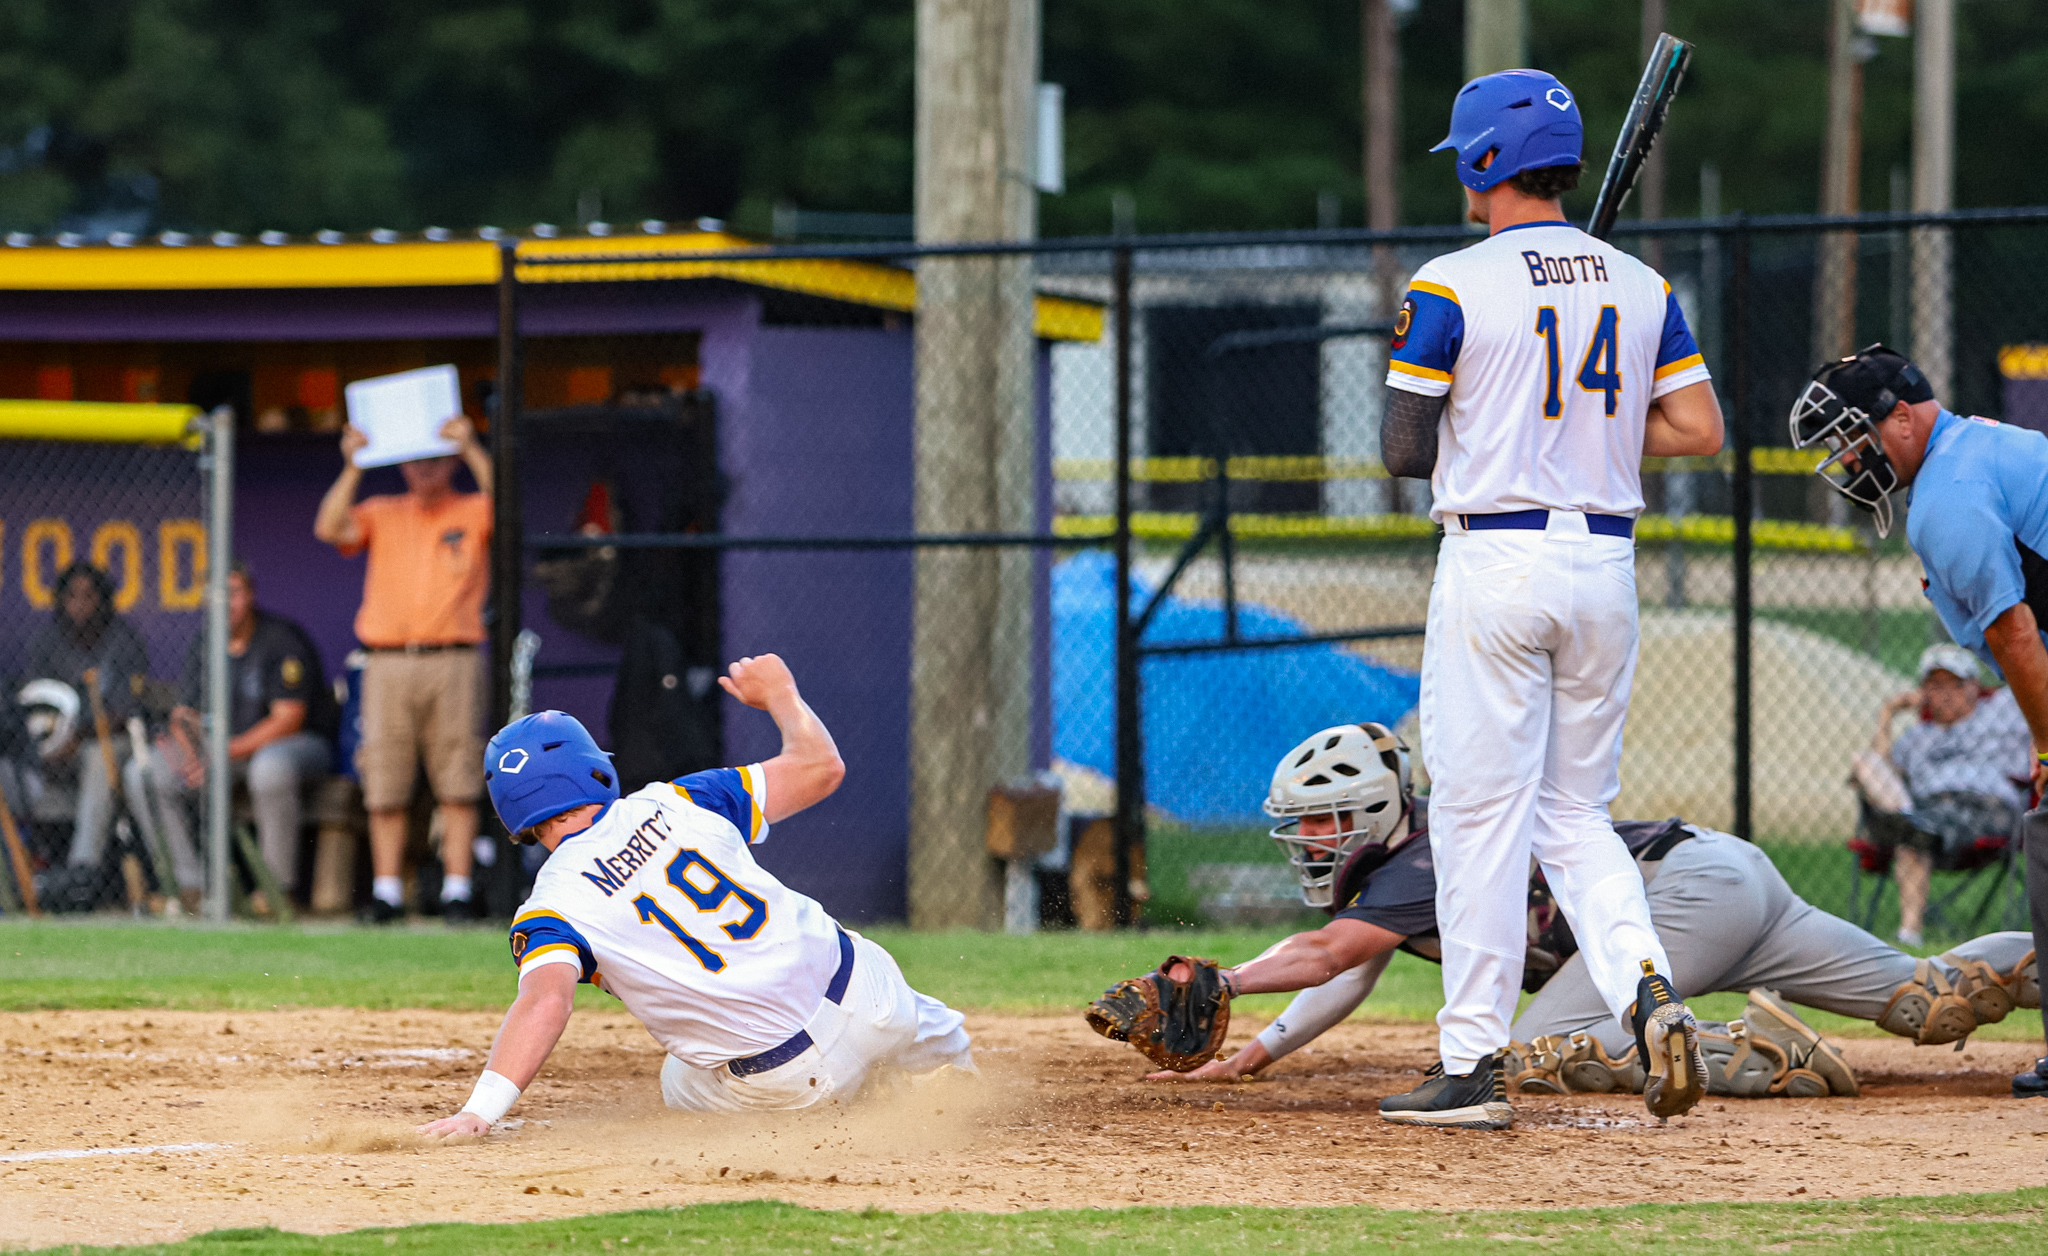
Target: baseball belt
point(800, 1041)
point(1537, 520)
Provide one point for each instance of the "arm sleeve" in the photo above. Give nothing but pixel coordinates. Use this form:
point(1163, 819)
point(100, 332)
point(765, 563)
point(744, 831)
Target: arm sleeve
point(290, 676)
point(738, 794)
point(1408, 433)
point(1968, 552)
point(364, 513)
point(1679, 362)
point(540, 937)
point(1429, 331)
point(1317, 1008)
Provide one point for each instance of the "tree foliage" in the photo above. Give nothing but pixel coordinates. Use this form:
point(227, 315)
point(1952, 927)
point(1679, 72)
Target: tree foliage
point(301, 114)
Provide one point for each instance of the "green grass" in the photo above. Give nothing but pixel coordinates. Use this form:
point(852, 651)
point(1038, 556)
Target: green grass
point(2005, 1222)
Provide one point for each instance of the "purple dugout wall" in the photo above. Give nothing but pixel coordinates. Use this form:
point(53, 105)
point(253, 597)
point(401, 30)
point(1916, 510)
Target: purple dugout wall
point(815, 428)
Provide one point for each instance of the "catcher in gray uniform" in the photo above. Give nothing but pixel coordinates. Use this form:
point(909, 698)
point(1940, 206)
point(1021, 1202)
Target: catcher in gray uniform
point(1725, 915)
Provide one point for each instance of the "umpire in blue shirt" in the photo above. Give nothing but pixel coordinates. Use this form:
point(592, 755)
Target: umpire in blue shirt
point(1978, 522)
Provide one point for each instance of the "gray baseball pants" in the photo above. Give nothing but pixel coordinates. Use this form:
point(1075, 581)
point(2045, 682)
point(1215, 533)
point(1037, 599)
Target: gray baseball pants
point(1729, 922)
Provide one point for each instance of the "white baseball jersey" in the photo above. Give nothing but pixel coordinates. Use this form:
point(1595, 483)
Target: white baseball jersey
point(1551, 345)
point(660, 903)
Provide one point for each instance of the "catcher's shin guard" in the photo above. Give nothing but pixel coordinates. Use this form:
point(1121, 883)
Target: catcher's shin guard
point(1928, 1009)
point(1477, 1100)
point(1668, 1043)
point(1587, 1069)
point(1769, 1019)
point(1991, 994)
point(1533, 1066)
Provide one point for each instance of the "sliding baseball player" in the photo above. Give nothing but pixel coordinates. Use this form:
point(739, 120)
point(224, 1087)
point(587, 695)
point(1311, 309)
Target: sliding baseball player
point(759, 997)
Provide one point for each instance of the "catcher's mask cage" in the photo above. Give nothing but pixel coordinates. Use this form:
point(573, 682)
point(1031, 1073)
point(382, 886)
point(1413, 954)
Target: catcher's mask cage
point(1857, 466)
point(1359, 769)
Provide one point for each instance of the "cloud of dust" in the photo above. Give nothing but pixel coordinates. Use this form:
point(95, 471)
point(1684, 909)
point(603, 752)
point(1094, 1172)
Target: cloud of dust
point(898, 1122)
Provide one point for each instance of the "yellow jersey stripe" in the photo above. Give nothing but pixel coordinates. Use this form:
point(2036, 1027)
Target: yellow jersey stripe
point(753, 802)
point(539, 951)
point(1424, 372)
point(1672, 368)
point(540, 913)
point(1433, 289)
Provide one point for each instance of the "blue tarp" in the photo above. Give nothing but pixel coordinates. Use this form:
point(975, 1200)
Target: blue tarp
point(1215, 724)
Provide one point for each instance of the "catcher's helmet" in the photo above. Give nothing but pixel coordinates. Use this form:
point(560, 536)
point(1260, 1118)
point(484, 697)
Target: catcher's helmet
point(1525, 118)
point(1841, 409)
point(1360, 769)
point(541, 765)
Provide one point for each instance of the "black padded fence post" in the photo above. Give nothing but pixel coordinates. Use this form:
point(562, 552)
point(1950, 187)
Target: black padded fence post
point(1742, 493)
point(507, 527)
point(1130, 753)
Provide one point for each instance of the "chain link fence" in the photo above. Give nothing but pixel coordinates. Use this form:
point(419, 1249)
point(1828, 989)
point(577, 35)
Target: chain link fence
point(1109, 514)
point(104, 590)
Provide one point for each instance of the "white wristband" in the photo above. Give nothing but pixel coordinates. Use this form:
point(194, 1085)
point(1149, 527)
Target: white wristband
point(493, 1097)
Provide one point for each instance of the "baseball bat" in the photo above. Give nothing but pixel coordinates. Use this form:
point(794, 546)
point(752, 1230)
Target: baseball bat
point(17, 854)
point(1639, 130)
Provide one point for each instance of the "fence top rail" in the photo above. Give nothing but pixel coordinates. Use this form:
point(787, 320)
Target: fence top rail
point(1344, 237)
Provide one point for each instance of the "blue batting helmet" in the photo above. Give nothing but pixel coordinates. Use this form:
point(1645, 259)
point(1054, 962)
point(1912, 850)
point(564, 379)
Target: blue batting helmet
point(1525, 118)
point(543, 764)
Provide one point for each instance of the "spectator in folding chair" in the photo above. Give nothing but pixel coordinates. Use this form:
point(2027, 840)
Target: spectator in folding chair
point(1952, 779)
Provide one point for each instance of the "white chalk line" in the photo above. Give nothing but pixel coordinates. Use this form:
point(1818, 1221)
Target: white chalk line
point(80, 1153)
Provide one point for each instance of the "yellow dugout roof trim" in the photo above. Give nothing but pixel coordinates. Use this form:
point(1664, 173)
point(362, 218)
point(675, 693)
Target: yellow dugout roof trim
point(113, 421)
point(466, 263)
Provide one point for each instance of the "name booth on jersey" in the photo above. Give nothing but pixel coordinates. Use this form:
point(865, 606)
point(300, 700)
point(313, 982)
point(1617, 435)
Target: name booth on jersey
point(1579, 268)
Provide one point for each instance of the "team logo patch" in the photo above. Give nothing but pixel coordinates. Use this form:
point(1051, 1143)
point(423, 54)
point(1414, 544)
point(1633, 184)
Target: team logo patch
point(291, 672)
point(1559, 98)
point(519, 942)
point(513, 761)
point(1402, 322)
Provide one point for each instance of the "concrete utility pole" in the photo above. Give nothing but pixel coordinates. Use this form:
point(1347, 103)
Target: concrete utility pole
point(1496, 36)
point(1834, 293)
point(1934, 189)
point(975, 456)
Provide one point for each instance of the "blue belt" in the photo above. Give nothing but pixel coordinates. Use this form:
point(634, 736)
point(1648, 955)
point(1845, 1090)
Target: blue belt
point(1537, 520)
point(800, 1042)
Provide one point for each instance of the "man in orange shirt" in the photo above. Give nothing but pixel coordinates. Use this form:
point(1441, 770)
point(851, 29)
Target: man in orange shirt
point(421, 621)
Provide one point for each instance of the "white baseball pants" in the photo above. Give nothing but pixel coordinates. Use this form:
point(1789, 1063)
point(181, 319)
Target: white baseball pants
point(880, 1024)
point(1526, 671)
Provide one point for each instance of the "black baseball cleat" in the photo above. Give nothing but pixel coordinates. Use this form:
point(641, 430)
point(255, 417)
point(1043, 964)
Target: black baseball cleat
point(1477, 1100)
point(380, 912)
point(456, 912)
point(1668, 1043)
point(2033, 1082)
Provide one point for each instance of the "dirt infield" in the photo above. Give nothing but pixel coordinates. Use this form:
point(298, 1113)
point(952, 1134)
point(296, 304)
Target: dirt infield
point(303, 1119)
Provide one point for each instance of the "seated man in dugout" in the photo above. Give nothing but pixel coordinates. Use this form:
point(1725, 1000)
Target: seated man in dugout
point(86, 635)
point(1956, 775)
point(282, 721)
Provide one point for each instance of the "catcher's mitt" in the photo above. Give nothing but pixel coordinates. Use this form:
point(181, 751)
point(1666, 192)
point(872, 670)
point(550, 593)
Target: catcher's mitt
point(1178, 1025)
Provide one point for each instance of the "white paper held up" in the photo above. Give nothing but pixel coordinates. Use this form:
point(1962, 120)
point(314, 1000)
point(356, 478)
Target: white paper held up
point(402, 414)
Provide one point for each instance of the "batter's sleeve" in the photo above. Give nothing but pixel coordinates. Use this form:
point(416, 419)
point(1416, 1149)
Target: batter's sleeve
point(1429, 331)
point(738, 794)
point(1679, 361)
point(541, 937)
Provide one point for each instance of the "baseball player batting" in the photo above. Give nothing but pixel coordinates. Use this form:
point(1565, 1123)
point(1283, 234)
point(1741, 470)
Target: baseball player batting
point(1529, 376)
point(1725, 916)
point(760, 998)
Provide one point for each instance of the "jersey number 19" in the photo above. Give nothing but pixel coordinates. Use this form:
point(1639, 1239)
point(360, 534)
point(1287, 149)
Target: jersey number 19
point(1592, 376)
point(721, 890)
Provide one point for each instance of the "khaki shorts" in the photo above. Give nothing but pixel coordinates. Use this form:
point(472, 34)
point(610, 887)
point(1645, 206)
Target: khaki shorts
point(422, 708)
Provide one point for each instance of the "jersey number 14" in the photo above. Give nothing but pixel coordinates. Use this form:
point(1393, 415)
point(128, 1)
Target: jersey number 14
point(1593, 377)
point(721, 890)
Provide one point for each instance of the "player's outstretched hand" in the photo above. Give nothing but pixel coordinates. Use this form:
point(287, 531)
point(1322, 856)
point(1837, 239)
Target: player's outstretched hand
point(468, 1123)
point(758, 680)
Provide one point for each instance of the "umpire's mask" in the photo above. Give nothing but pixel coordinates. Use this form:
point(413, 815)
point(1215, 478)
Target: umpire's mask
point(1841, 408)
